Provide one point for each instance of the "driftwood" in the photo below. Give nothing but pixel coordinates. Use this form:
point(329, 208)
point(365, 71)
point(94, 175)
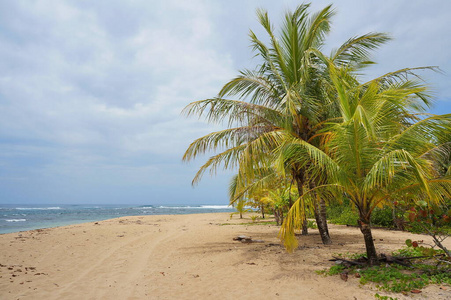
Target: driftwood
point(397, 260)
point(403, 261)
point(246, 239)
point(273, 245)
point(342, 261)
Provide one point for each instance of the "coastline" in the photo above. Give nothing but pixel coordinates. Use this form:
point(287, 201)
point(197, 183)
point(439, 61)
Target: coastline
point(20, 217)
point(181, 257)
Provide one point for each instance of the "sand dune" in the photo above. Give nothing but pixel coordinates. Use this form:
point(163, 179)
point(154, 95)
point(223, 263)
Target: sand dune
point(181, 257)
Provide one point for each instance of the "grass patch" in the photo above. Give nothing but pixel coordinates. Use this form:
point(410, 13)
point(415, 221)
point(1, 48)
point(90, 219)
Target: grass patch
point(252, 223)
point(397, 278)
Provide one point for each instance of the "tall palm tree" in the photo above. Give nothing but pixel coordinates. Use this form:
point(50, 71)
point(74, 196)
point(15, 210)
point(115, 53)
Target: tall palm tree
point(283, 98)
point(378, 151)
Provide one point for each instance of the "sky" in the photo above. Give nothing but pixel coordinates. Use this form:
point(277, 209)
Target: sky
point(91, 92)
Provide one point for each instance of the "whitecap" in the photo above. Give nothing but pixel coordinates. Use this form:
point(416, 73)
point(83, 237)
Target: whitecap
point(177, 207)
point(38, 208)
point(16, 220)
point(142, 207)
point(197, 207)
point(216, 206)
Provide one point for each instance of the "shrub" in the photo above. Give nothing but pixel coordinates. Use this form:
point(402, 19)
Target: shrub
point(311, 224)
point(342, 214)
point(382, 217)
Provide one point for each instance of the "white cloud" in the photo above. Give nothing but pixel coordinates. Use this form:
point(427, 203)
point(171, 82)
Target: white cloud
point(92, 91)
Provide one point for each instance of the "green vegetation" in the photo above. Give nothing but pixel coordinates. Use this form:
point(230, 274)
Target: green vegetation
point(377, 296)
point(312, 224)
point(399, 279)
point(240, 207)
point(252, 223)
point(342, 214)
point(254, 218)
point(424, 270)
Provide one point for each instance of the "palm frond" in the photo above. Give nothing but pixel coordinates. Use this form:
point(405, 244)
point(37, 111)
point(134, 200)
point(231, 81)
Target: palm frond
point(356, 50)
point(255, 86)
point(296, 214)
point(227, 159)
point(216, 110)
point(318, 28)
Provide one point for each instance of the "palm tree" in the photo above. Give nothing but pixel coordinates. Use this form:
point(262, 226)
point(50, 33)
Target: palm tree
point(273, 191)
point(242, 198)
point(285, 97)
point(240, 207)
point(380, 149)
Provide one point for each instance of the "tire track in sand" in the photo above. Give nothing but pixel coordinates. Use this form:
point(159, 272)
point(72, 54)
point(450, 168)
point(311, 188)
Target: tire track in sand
point(130, 260)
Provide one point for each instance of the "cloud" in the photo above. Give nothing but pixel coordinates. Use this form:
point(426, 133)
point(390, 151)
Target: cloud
point(91, 91)
point(85, 78)
point(102, 86)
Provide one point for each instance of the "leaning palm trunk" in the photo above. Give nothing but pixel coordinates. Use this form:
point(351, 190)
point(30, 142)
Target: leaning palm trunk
point(319, 210)
point(278, 216)
point(323, 216)
point(304, 226)
point(321, 221)
point(300, 183)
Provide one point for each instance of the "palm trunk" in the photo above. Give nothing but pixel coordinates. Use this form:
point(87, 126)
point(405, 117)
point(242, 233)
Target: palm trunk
point(300, 183)
point(278, 215)
point(281, 216)
point(304, 227)
point(365, 228)
point(263, 211)
point(322, 228)
point(320, 217)
point(323, 214)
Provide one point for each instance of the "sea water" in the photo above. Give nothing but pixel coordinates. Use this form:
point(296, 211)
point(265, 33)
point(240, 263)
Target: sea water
point(14, 218)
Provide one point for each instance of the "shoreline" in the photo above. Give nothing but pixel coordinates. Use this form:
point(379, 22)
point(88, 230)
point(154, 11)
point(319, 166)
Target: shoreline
point(83, 222)
point(181, 257)
point(18, 218)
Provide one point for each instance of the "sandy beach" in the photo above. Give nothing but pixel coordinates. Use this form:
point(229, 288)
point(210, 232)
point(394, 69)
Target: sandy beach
point(182, 257)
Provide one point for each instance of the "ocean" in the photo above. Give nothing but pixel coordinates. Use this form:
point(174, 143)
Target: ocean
point(15, 218)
